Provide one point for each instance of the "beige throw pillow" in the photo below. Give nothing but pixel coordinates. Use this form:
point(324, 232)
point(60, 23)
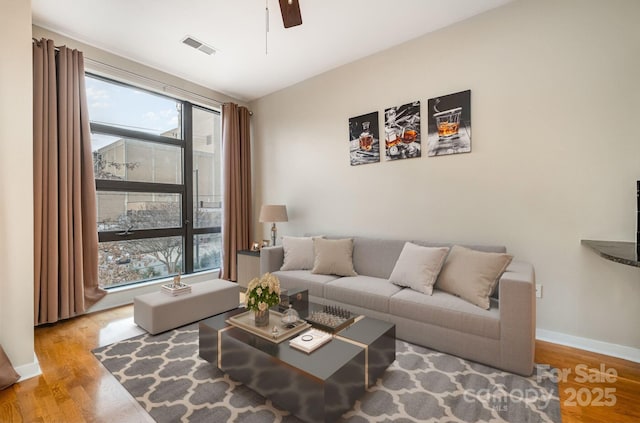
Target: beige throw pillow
point(333, 257)
point(472, 275)
point(298, 253)
point(418, 267)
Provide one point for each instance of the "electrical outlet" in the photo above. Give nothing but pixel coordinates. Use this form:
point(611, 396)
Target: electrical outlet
point(538, 290)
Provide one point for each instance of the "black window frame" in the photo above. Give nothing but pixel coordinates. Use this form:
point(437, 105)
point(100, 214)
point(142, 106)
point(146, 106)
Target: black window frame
point(187, 231)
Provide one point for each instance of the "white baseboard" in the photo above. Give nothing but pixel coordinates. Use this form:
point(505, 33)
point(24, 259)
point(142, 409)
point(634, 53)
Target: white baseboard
point(29, 370)
point(614, 350)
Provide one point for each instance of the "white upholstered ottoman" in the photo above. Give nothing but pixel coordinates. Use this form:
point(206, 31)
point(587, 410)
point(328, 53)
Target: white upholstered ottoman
point(158, 312)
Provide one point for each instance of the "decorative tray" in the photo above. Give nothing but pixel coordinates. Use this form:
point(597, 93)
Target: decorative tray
point(330, 319)
point(245, 321)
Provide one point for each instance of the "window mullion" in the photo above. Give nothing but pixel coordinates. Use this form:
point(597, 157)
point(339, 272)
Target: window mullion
point(187, 201)
point(129, 186)
point(108, 236)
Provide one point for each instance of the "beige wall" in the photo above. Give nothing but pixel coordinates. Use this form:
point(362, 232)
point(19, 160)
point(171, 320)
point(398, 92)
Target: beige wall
point(16, 181)
point(555, 151)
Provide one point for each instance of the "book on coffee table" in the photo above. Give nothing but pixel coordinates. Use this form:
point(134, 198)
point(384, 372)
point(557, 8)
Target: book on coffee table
point(310, 340)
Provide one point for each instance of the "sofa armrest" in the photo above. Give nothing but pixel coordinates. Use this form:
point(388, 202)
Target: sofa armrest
point(271, 259)
point(518, 317)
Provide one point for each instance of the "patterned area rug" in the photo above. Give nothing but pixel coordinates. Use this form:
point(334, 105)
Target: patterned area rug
point(167, 377)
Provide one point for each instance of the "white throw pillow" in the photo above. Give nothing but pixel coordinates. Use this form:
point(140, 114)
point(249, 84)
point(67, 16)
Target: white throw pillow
point(298, 253)
point(472, 275)
point(418, 267)
point(333, 257)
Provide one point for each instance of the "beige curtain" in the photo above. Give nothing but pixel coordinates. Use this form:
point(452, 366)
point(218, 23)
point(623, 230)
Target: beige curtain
point(236, 203)
point(66, 237)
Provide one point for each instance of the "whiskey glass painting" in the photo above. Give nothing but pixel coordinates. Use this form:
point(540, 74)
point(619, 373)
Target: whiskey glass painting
point(449, 123)
point(402, 131)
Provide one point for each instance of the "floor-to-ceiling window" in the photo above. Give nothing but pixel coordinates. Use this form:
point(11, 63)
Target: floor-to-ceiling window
point(157, 164)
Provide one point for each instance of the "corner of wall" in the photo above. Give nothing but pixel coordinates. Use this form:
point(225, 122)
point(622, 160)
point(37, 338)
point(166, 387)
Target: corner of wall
point(29, 370)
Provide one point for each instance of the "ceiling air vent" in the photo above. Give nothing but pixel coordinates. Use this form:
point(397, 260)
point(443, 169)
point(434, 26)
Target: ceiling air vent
point(198, 45)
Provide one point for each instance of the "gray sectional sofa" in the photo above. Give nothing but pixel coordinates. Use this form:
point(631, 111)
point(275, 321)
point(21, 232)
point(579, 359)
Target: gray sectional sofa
point(501, 337)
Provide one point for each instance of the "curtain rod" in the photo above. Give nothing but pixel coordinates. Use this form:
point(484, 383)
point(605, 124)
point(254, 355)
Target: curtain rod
point(152, 80)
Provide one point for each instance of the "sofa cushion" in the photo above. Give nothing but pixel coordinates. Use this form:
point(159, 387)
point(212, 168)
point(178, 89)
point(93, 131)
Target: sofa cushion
point(376, 257)
point(298, 253)
point(516, 266)
point(472, 275)
point(485, 248)
point(362, 291)
point(418, 267)
point(333, 257)
point(304, 279)
point(446, 310)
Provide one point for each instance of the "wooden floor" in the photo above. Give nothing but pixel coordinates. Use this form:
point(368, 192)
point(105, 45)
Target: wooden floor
point(74, 387)
point(591, 392)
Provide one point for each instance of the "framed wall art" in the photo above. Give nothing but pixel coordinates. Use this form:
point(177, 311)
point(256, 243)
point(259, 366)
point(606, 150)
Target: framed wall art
point(449, 122)
point(364, 139)
point(402, 131)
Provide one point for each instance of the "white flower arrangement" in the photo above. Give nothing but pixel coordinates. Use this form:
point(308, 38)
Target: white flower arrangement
point(263, 292)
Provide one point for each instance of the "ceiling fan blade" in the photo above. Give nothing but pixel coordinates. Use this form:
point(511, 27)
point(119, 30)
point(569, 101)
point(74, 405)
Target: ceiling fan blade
point(290, 13)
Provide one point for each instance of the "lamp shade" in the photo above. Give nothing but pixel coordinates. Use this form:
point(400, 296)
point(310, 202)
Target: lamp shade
point(273, 213)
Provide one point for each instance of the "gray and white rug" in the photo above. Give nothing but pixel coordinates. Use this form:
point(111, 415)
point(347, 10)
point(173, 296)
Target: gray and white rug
point(167, 377)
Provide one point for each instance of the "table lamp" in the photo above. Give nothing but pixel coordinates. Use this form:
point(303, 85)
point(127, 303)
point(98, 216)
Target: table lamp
point(273, 213)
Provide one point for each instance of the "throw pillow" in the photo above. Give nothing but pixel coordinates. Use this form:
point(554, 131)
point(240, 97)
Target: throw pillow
point(8, 375)
point(333, 257)
point(298, 253)
point(418, 267)
point(472, 275)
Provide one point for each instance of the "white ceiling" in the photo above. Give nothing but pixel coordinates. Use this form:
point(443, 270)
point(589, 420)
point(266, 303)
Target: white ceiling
point(333, 32)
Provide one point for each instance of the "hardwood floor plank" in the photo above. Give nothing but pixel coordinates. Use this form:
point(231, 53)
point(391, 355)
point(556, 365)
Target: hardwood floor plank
point(596, 387)
point(9, 410)
point(76, 388)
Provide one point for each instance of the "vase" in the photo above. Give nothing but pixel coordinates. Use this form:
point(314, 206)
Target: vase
point(262, 318)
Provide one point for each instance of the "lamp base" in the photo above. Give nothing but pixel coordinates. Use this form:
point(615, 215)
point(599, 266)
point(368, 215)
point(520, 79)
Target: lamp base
point(274, 234)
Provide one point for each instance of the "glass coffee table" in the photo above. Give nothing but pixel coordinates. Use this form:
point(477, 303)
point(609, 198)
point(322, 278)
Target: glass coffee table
point(316, 387)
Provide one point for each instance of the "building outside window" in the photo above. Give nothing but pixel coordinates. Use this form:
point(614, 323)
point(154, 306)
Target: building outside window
point(157, 163)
